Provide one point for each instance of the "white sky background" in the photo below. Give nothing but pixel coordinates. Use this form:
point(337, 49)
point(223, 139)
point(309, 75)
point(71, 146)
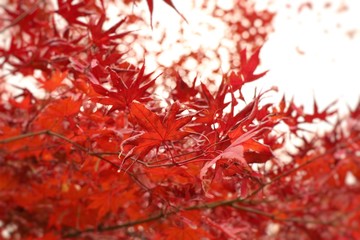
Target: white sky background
point(328, 38)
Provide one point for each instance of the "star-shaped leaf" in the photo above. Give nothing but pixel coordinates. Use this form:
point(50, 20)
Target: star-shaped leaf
point(246, 71)
point(157, 130)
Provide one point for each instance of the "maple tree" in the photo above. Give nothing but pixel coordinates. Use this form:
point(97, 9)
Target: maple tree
point(96, 153)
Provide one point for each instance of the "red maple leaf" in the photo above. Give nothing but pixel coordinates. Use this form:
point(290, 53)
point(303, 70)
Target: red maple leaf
point(50, 83)
point(157, 131)
point(214, 105)
point(124, 91)
point(101, 37)
point(320, 115)
point(246, 72)
point(71, 11)
point(150, 4)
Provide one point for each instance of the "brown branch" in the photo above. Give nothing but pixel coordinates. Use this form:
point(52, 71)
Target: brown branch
point(274, 217)
point(253, 210)
point(114, 227)
point(22, 136)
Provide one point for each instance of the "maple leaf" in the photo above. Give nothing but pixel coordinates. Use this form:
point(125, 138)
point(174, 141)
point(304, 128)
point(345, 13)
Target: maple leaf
point(59, 152)
point(182, 91)
point(27, 102)
point(28, 16)
point(215, 105)
point(256, 152)
point(235, 151)
point(72, 11)
point(8, 180)
point(288, 113)
point(157, 131)
point(54, 81)
point(59, 114)
point(320, 115)
point(105, 38)
point(246, 72)
point(150, 4)
point(126, 90)
point(110, 201)
point(249, 114)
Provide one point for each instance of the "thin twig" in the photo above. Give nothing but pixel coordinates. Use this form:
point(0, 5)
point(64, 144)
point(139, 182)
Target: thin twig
point(22, 136)
point(274, 217)
point(114, 227)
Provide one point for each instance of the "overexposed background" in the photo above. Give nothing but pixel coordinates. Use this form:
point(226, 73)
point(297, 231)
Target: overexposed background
point(316, 51)
point(313, 51)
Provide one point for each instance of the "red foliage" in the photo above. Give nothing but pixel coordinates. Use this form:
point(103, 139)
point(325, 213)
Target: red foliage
point(96, 154)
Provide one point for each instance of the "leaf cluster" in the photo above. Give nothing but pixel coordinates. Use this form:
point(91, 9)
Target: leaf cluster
point(99, 155)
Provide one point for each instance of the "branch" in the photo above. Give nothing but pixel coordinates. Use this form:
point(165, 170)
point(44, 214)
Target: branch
point(145, 220)
point(54, 134)
point(22, 136)
point(274, 217)
point(80, 147)
point(169, 164)
point(115, 227)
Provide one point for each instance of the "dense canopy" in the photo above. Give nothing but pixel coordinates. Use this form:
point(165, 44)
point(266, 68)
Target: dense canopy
point(106, 149)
